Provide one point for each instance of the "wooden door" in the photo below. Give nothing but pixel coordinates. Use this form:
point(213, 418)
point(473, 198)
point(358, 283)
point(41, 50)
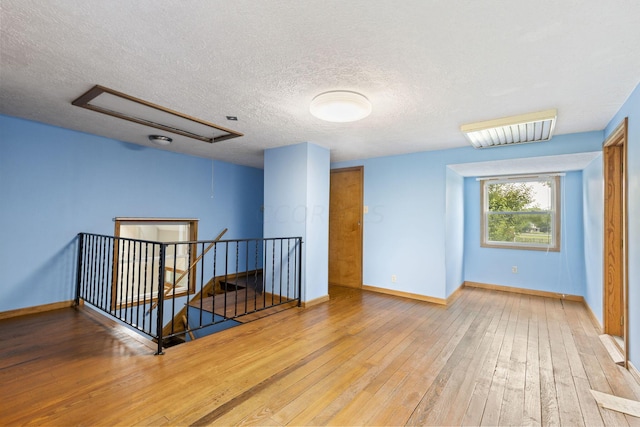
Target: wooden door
point(345, 227)
point(615, 235)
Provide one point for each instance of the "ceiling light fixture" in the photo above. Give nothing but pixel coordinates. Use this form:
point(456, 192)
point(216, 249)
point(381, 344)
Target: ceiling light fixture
point(160, 139)
point(522, 129)
point(340, 106)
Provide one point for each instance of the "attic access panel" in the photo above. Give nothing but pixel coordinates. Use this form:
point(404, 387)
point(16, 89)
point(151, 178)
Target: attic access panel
point(126, 107)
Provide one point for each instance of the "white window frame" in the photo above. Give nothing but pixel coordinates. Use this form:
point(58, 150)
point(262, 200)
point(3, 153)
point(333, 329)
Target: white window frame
point(555, 213)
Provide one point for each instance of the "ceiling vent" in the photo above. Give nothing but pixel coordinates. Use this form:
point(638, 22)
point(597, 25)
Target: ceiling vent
point(126, 107)
point(522, 129)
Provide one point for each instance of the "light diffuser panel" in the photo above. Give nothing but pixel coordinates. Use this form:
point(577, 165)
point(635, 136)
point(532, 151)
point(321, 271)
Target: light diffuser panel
point(533, 127)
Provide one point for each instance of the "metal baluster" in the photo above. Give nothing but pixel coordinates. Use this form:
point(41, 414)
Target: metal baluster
point(116, 273)
point(92, 276)
point(246, 277)
point(97, 272)
point(110, 281)
point(79, 269)
point(189, 281)
point(273, 270)
point(103, 271)
point(213, 301)
point(255, 279)
point(107, 272)
point(84, 287)
point(160, 307)
point(144, 289)
point(226, 268)
point(153, 268)
point(202, 283)
point(121, 274)
point(288, 266)
point(132, 285)
point(265, 271)
point(138, 306)
point(90, 271)
point(235, 305)
point(173, 291)
point(87, 262)
point(281, 266)
point(300, 272)
point(130, 282)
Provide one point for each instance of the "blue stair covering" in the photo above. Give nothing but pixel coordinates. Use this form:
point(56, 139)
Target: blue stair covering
point(207, 317)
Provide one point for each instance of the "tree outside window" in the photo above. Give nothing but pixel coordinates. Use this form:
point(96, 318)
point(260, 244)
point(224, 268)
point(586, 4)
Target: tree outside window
point(521, 213)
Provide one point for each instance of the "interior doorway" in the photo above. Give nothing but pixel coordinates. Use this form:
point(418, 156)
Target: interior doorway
point(615, 310)
point(345, 226)
point(136, 263)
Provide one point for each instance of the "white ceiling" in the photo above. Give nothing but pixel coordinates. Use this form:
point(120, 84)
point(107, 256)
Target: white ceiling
point(427, 66)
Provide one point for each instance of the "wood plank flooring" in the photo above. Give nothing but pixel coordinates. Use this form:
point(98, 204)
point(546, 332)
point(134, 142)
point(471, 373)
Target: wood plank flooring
point(490, 358)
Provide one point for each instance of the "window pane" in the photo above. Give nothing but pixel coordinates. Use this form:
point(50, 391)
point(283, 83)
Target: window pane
point(521, 214)
point(520, 196)
point(516, 228)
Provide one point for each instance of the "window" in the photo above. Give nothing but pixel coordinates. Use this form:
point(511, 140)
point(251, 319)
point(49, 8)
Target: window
point(137, 263)
point(521, 213)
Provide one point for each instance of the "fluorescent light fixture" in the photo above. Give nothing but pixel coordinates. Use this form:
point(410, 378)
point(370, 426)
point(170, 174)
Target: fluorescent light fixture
point(340, 106)
point(126, 107)
point(522, 129)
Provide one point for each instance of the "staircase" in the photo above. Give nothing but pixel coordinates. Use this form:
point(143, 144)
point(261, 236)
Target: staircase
point(224, 303)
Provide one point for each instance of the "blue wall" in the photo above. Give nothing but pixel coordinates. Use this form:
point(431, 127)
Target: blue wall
point(404, 232)
point(296, 197)
point(593, 221)
point(410, 199)
point(561, 272)
point(285, 198)
point(454, 239)
point(316, 249)
point(56, 182)
point(631, 109)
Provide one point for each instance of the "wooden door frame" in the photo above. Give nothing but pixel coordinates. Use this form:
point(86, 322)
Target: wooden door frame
point(359, 169)
point(193, 250)
point(616, 145)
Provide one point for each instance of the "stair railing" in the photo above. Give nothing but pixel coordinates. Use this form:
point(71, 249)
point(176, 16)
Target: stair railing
point(229, 282)
point(194, 264)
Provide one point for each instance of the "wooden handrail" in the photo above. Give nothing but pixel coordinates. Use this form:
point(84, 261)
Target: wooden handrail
point(208, 248)
point(195, 262)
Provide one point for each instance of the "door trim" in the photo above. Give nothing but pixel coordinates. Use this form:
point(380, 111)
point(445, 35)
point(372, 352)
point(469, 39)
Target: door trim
point(616, 144)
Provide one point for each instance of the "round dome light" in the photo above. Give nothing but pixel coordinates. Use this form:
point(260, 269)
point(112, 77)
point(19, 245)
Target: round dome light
point(340, 106)
point(160, 139)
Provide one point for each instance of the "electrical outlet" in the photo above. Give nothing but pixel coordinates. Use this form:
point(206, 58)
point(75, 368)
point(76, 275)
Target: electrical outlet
point(514, 269)
point(394, 279)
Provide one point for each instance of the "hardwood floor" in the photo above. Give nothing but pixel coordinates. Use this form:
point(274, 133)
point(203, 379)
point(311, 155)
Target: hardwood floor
point(490, 358)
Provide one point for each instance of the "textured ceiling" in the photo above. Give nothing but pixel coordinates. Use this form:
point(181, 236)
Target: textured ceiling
point(426, 66)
